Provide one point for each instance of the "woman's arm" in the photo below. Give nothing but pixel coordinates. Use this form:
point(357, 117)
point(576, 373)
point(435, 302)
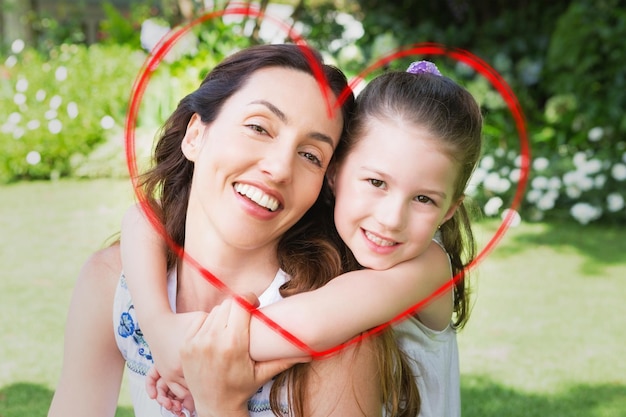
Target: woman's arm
point(92, 364)
point(353, 303)
point(222, 376)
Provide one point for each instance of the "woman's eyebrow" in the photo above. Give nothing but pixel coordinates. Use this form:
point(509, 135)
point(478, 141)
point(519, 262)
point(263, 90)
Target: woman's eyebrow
point(283, 117)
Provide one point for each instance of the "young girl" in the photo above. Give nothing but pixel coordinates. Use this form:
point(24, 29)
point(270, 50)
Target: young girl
point(414, 142)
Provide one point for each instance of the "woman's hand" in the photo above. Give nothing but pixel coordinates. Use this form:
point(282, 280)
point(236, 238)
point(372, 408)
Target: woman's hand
point(217, 366)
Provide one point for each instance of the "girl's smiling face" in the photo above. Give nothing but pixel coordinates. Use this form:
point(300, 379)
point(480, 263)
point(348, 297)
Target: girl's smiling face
point(393, 190)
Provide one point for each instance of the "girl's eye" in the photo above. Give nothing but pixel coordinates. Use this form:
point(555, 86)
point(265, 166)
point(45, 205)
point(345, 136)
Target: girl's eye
point(423, 199)
point(312, 158)
point(377, 183)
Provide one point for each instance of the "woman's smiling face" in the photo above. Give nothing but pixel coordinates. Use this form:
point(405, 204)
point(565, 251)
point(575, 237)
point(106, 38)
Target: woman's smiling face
point(259, 166)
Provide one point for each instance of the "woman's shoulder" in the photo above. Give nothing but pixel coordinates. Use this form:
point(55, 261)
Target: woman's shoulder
point(105, 261)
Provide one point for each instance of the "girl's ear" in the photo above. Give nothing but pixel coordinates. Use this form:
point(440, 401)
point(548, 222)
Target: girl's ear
point(331, 172)
point(452, 210)
point(192, 141)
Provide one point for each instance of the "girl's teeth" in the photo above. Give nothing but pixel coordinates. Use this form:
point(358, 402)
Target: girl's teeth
point(377, 240)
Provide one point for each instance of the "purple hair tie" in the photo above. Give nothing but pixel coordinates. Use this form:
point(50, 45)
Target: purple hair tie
point(423, 67)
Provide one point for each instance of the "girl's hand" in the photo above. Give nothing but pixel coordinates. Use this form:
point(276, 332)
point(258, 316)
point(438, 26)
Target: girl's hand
point(165, 346)
point(159, 390)
point(165, 381)
point(217, 366)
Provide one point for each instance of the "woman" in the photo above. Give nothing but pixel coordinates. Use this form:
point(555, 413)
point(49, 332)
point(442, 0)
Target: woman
point(212, 152)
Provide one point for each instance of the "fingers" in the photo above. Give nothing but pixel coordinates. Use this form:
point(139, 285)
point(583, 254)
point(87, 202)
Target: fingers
point(151, 382)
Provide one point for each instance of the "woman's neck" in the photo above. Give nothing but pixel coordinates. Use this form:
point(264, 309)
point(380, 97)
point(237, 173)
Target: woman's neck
point(239, 270)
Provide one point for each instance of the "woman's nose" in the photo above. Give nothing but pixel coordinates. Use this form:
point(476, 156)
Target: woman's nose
point(278, 162)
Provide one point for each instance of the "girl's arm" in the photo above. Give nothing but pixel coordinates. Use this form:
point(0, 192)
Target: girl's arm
point(92, 364)
point(353, 303)
point(143, 253)
point(326, 317)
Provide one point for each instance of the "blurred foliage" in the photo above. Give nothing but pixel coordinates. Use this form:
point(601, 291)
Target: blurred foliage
point(562, 59)
point(58, 106)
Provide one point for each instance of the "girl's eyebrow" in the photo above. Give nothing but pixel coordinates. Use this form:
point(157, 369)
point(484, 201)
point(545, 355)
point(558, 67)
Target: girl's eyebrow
point(283, 118)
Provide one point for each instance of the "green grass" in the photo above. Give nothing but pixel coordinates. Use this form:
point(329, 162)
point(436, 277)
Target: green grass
point(545, 337)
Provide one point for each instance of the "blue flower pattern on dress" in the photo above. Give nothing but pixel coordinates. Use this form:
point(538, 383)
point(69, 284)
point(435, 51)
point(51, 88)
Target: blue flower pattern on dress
point(127, 325)
point(128, 328)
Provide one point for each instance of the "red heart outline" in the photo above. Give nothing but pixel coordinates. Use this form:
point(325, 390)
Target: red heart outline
point(480, 66)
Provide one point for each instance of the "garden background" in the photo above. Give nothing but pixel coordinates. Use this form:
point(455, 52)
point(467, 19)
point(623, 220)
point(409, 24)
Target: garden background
point(545, 337)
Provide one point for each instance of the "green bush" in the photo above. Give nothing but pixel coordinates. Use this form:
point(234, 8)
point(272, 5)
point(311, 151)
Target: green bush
point(58, 108)
point(564, 61)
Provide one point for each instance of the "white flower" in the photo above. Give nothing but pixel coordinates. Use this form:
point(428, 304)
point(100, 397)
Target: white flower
point(107, 122)
point(72, 110)
point(533, 195)
point(570, 178)
point(55, 102)
point(585, 212)
point(499, 152)
point(515, 175)
point(592, 166)
point(585, 183)
point(21, 85)
point(492, 182)
point(554, 183)
point(11, 61)
point(50, 114)
point(541, 163)
point(578, 179)
point(151, 34)
point(546, 202)
point(579, 158)
point(493, 205)
point(40, 95)
point(504, 171)
point(595, 134)
point(487, 162)
point(624, 157)
point(18, 132)
point(17, 46)
point(599, 181)
point(55, 126)
point(33, 124)
point(540, 183)
point(14, 118)
point(33, 157)
point(573, 192)
point(614, 202)
point(514, 218)
point(618, 171)
point(19, 99)
point(61, 73)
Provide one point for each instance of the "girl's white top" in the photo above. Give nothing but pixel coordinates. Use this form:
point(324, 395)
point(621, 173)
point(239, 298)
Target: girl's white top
point(434, 357)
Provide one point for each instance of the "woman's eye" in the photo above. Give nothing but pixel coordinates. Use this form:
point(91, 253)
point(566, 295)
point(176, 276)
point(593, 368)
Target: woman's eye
point(314, 159)
point(257, 129)
point(376, 183)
